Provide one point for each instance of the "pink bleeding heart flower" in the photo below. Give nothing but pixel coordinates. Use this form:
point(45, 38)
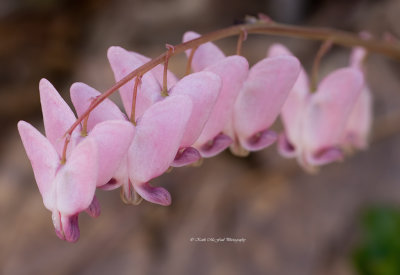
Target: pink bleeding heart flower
point(233, 71)
point(260, 101)
point(67, 188)
point(360, 121)
point(158, 136)
point(110, 149)
point(47, 153)
point(317, 132)
point(203, 88)
point(114, 152)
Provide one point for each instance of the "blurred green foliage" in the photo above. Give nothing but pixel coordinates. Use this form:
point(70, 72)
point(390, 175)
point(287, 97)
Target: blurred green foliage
point(378, 253)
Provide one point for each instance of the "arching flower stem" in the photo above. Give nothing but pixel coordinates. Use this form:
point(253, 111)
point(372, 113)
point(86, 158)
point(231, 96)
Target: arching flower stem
point(255, 27)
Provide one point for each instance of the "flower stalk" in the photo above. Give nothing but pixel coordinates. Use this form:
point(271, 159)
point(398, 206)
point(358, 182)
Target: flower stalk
point(257, 26)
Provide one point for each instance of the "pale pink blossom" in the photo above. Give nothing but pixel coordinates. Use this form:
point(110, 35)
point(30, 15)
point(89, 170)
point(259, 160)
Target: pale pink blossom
point(67, 189)
point(233, 71)
point(260, 101)
point(315, 123)
point(154, 147)
point(68, 186)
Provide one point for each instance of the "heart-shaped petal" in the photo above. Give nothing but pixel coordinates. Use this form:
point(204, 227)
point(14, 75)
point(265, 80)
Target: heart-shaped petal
point(44, 160)
point(233, 72)
point(157, 138)
point(57, 116)
point(329, 108)
point(262, 96)
point(76, 180)
point(203, 88)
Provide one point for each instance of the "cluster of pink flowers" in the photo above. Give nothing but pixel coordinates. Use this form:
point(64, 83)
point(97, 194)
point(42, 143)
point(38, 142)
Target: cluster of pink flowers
point(221, 104)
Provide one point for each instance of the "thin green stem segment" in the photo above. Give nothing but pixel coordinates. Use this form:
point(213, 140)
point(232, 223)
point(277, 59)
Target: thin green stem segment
point(257, 27)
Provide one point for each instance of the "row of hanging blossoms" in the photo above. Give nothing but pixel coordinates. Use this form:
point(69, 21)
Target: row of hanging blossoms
point(220, 103)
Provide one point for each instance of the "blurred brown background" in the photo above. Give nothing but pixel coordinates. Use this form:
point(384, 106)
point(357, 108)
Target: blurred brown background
point(293, 223)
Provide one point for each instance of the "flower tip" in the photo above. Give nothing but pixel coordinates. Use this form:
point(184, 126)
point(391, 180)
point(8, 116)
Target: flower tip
point(190, 35)
point(114, 51)
point(77, 85)
point(94, 209)
point(278, 49)
point(158, 195)
point(215, 146)
point(71, 229)
point(285, 147)
point(325, 156)
point(186, 156)
point(44, 83)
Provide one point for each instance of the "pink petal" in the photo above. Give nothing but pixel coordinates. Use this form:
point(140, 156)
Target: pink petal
point(206, 55)
point(57, 116)
point(94, 209)
point(329, 109)
point(203, 88)
point(185, 157)
point(215, 146)
point(325, 156)
point(359, 124)
point(233, 71)
point(262, 96)
point(122, 63)
point(82, 96)
point(285, 147)
point(357, 58)
point(113, 139)
point(157, 138)
point(66, 227)
point(260, 140)
point(295, 104)
point(70, 228)
point(76, 179)
point(302, 85)
point(152, 194)
point(44, 160)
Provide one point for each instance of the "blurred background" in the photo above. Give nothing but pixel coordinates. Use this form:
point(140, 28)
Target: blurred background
point(344, 220)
